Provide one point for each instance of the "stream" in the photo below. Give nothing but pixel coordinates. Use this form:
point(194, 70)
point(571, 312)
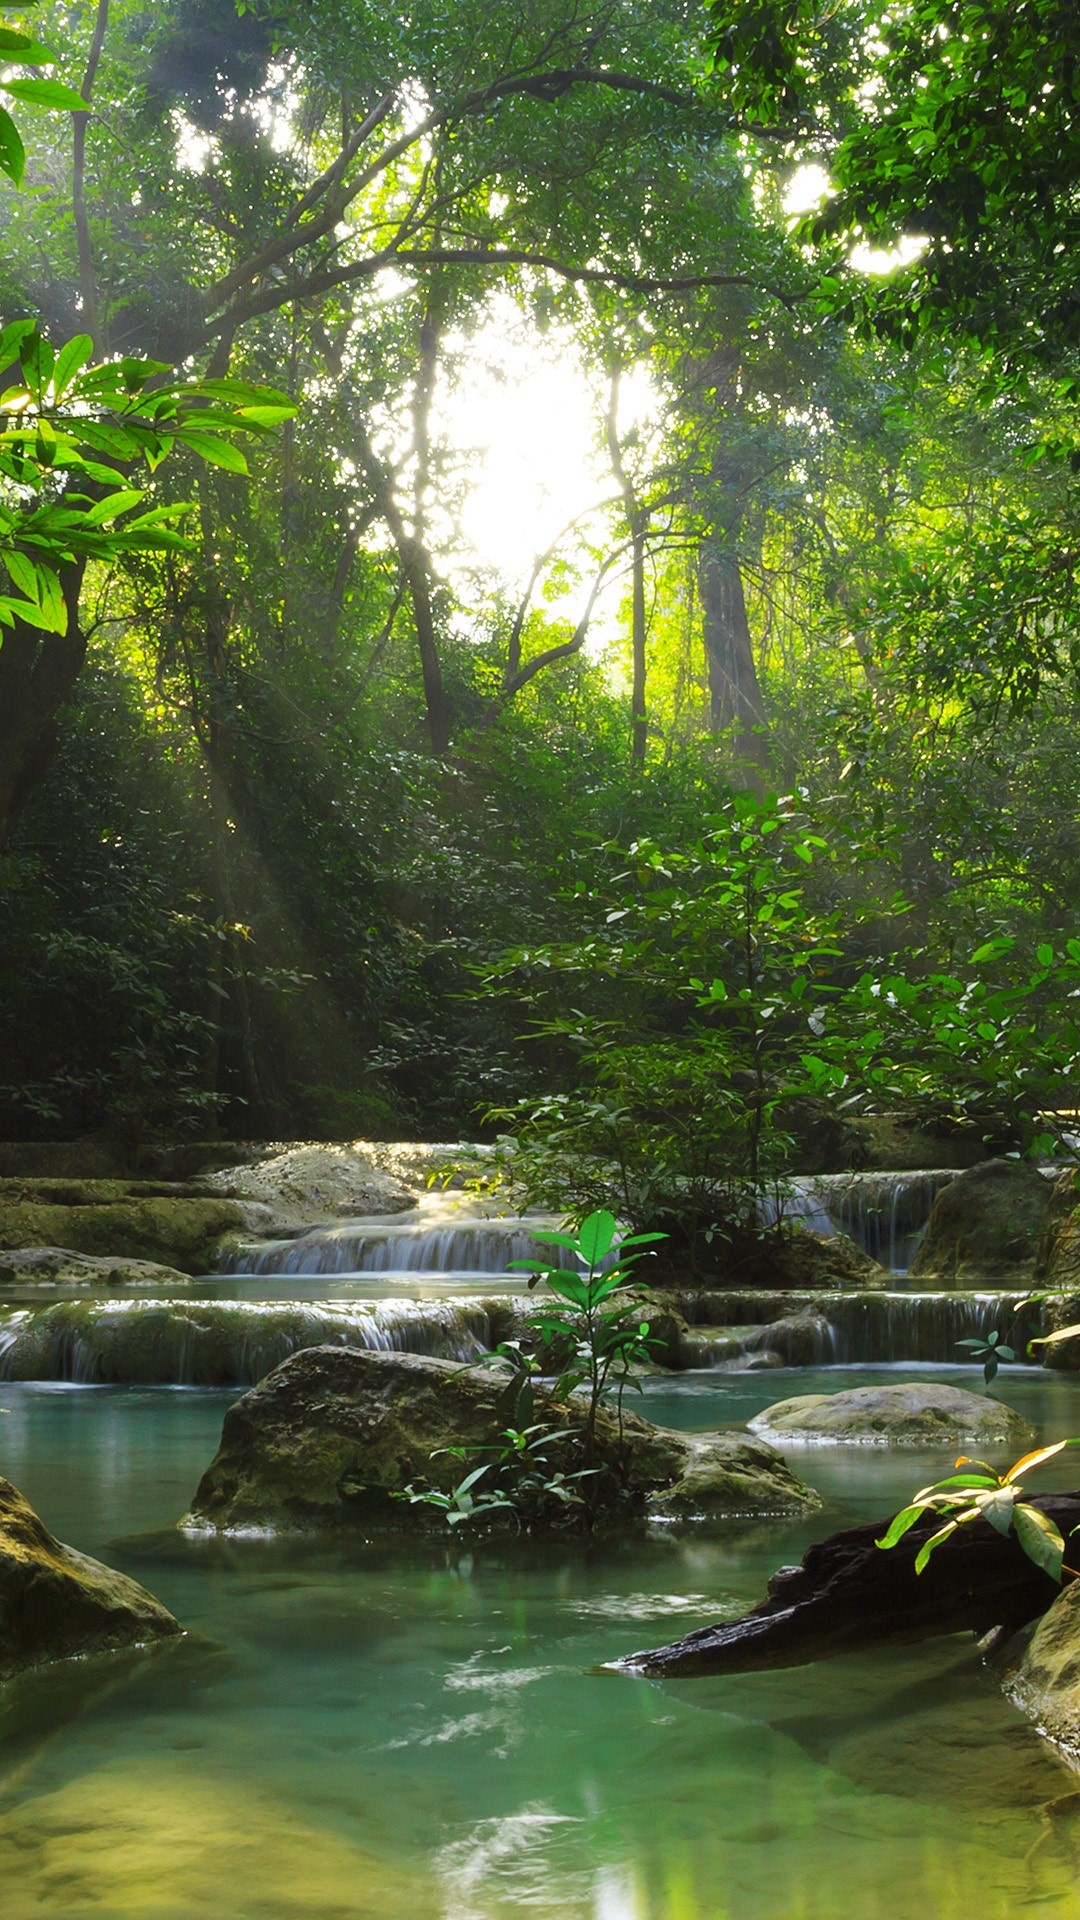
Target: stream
point(418, 1731)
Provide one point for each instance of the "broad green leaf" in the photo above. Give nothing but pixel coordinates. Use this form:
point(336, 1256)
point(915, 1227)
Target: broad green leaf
point(46, 93)
point(220, 453)
point(899, 1525)
point(935, 1540)
point(24, 51)
point(70, 360)
point(596, 1236)
point(117, 503)
point(550, 1238)
point(24, 574)
point(1040, 1539)
point(35, 616)
point(12, 151)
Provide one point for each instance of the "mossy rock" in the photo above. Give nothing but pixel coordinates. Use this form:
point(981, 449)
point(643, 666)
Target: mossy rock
point(333, 1436)
point(176, 1232)
point(59, 1267)
point(985, 1228)
point(1043, 1679)
point(910, 1413)
point(56, 1604)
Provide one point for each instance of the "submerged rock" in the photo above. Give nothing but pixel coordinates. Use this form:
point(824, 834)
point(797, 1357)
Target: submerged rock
point(56, 1604)
point(59, 1267)
point(331, 1436)
point(908, 1414)
point(986, 1226)
point(1044, 1679)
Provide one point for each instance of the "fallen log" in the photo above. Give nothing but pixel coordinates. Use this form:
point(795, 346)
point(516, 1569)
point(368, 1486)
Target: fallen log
point(847, 1594)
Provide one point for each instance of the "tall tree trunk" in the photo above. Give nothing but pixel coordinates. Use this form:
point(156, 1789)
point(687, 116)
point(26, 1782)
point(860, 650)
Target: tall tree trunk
point(639, 719)
point(734, 691)
point(37, 673)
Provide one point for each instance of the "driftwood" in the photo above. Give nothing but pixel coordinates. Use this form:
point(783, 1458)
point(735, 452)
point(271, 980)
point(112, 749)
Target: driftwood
point(848, 1594)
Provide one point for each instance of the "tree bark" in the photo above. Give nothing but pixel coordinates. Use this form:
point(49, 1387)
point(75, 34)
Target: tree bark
point(847, 1594)
point(734, 691)
point(37, 673)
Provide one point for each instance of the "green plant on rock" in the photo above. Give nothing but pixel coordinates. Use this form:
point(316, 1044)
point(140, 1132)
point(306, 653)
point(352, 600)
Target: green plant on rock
point(981, 1494)
point(520, 1480)
point(592, 1317)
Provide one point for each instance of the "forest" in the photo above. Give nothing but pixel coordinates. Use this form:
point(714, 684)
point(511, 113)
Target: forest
point(539, 959)
point(339, 811)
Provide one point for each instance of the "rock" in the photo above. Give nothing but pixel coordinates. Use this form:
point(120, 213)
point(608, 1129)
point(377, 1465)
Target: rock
point(911, 1414)
point(847, 1594)
point(166, 1836)
point(213, 1343)
point(1044, 1680)
point(308, 1184)
point(985, 1227)
point(56, 1604)
point(902, 1143)
point(117, 1218)
point(1057, 1263)
point(59, 1267)
point(329, 1438)
point(804, 1260)
point(1058, 1311)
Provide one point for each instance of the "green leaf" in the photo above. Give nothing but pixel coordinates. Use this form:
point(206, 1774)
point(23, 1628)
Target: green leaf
point(899, 1525)
point(12, 151)
point(220, 453)
point(998, 1507)
point(46, 93)
point(70, 360)
point(1040, 1539)
point(596, 1236)
point(935, 1540)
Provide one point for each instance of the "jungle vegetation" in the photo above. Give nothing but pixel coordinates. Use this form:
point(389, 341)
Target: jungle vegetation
point(738, 772)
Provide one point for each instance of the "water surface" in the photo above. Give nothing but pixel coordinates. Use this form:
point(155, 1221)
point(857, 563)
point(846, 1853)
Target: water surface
point(415, 1733)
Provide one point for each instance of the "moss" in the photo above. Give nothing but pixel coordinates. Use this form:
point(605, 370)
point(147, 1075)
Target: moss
point(176, 1232)
point(57, 1604)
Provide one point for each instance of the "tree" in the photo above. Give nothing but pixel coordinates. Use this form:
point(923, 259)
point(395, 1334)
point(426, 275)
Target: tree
point(954, 120)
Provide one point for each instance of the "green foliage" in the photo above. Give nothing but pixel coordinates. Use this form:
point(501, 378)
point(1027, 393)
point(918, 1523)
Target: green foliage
point(598, 1339)
point(591, 1315)
point(991, 1351)
point(983, 1494)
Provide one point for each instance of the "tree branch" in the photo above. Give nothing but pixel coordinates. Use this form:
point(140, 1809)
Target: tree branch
point(87, 277)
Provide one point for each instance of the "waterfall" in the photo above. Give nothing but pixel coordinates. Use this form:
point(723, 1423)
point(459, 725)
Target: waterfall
point(473, 1247)
point(849, 1329)
point(885, 1213)
point(230, 1342)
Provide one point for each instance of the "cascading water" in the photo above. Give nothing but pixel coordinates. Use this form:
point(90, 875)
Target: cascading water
point(885, 1213)
point(230, 1342)
point(844, 1329)
point(438, 1245)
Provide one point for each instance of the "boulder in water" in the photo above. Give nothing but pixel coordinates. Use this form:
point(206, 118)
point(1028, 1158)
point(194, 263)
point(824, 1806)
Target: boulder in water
point(59, 1267)
point(56, 1604)
point(804, 1260)
point(332, 1435)
point(1043, 1679)
point(985, 1227)
point(907, 1414)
